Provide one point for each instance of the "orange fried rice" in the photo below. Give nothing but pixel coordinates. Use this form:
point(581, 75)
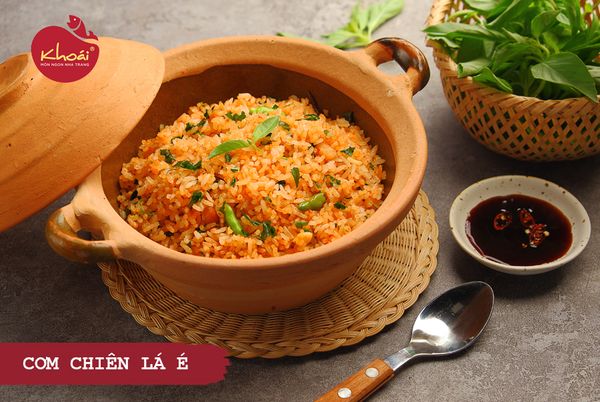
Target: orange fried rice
point(173, 193)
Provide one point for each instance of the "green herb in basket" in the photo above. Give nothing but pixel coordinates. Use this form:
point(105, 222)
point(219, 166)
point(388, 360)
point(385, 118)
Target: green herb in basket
point(547, 49)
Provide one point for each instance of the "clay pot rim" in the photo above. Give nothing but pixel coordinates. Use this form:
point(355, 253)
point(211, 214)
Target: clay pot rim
point(397, 200)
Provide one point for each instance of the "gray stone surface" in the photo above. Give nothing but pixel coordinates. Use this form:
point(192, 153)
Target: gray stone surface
point(542, 341)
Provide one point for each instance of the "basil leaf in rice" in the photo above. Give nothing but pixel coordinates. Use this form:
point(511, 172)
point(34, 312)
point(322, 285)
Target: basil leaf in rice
point(228, 146)
point(265, 128)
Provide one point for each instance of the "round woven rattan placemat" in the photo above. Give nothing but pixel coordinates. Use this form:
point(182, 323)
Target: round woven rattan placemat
point(386, 284)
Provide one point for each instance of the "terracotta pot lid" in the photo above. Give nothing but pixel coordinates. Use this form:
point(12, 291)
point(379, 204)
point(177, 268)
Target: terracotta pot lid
point(54, 134)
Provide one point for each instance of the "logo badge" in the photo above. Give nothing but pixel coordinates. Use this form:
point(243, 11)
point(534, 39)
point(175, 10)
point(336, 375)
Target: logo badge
point(65, 56)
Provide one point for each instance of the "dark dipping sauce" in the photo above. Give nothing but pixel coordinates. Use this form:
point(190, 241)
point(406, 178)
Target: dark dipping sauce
point(507, 238)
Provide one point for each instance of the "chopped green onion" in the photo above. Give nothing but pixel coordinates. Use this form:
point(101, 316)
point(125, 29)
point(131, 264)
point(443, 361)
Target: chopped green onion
point(236, 117)
point(348, 151)
point(169, 158)
point(333, 181)
point(339, 205)
point(196, 196)
point(296, 175)
point(189, 165)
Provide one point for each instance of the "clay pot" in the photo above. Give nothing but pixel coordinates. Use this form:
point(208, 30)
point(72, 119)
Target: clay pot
point(215, 70)
point(55, 134)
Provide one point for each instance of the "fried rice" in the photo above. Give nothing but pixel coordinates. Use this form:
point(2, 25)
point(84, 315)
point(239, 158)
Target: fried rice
point(173, 193)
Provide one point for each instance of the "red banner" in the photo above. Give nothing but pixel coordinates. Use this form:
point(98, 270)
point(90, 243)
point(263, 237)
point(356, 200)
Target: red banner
point(111, 363)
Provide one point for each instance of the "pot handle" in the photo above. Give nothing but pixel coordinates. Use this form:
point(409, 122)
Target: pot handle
point(62, 237)
point(407, 55)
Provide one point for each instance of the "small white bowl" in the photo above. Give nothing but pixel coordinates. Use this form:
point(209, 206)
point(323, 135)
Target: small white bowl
point(524, 185)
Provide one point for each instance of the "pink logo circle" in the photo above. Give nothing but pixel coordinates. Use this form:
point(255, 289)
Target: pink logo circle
point(61, 56)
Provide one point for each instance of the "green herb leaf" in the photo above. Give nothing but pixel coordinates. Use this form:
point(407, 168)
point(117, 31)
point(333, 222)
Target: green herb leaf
point(236, 117)
point(567, 69)
point(339, 205)
point(169, 158)
point(485, 5)
point(232, 182)
point(327, 132)
point(228, 146)
point(227, 157)
point(472, 67)
point(267, 199)
point(265, 128)
point(543, 22)
point(300, 224)
point(206, 114)
point(252, 221)
point(379, 13)
point(312, 117)
point(284, 125)
point(595, 73)
point(361, 25)
point(235, 169)
point(189, 165)
point(267, 231)
point(296, 175)
point(134, 195)
point(487, 77)
point(333, 181)
point(190, 126)
point(176, 138)
point(349, 116)
point(515, 9)
point(456, 30)
point(196, 196)
point(348, 151)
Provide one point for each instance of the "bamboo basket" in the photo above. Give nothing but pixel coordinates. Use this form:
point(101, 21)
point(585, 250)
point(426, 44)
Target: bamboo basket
point(521, 127)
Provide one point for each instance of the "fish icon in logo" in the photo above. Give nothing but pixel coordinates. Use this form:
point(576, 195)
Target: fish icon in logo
point(78, 28)
point(65, 56)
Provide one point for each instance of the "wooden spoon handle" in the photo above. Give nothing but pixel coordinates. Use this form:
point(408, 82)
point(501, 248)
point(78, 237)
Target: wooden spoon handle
point(360, 385)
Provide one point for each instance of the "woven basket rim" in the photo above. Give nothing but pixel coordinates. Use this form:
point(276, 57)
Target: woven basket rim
point(435, 17)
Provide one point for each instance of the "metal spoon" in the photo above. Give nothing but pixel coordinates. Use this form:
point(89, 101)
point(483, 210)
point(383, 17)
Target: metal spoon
point(449, 324)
